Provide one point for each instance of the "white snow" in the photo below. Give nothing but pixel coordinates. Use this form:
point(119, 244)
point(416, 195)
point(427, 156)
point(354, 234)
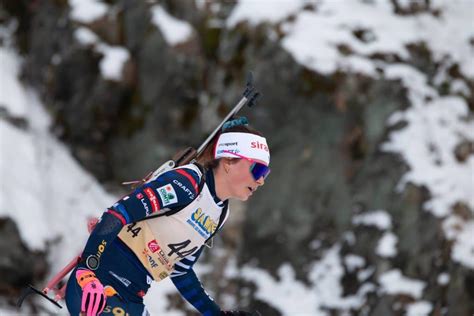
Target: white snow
point(51, 181)
point(459, 86)
point(421, 308)
point(287, 289)
point(86, 11)
point(175, 31)
point(393, 283)
point(256, 12)
point(365, 274)
point(461, 232)
point(463, 249)
point(85, 36)
point(15, 101)
point(428, 143)
point(379, 218)
point(156, 301)
point(353, 262)
point(443, 278)
point(313, 37)
point(326, 277)
point(325, 290)
point(386, 246)
point(436, 125)
point(111, 65)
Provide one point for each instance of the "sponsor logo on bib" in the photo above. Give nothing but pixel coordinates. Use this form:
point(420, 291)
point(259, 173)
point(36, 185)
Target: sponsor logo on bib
point(202, 223)
point(153, 246)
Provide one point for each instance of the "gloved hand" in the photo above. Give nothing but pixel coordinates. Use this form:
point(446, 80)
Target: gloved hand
point(93, 294)
point(239, 313)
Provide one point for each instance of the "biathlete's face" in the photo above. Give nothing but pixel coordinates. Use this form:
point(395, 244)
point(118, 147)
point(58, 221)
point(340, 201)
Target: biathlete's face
point(242, 179)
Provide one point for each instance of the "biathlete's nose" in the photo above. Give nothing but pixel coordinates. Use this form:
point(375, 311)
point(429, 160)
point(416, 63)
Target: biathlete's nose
point(261, 181)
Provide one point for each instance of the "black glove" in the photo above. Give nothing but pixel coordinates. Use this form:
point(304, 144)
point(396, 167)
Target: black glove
point(239, 313)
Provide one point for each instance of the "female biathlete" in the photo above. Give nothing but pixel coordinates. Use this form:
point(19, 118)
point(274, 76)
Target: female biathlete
point(131, 246)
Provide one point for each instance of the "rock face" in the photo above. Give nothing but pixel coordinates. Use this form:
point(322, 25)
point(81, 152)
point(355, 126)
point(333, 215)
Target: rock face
point(19, 265)
point(325, 133)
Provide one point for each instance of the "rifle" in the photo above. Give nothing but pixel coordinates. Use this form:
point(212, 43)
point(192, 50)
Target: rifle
point(189, 154)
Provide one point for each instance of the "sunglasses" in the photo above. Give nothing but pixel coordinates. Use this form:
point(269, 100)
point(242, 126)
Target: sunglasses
point(257, 169)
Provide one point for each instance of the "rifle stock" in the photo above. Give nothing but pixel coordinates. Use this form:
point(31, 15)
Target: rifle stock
point(185, 156)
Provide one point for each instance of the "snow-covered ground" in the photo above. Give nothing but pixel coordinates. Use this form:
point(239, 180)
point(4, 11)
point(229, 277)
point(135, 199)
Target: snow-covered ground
point(49, 194)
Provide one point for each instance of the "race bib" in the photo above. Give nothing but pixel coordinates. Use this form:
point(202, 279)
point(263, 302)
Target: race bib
point(139, 238)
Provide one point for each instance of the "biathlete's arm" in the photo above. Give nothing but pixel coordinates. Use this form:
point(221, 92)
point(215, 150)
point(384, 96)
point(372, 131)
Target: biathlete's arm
point(173, 189)
point(190, 287)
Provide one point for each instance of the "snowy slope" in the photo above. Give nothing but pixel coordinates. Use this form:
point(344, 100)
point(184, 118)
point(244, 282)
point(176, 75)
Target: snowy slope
point(43, 189)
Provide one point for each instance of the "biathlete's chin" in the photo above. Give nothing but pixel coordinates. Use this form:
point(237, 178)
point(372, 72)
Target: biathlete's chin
point(248, 194)
point(244, 197)
point(243, 194)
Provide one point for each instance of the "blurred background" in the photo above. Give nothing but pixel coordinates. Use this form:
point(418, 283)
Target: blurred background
point(367, 107)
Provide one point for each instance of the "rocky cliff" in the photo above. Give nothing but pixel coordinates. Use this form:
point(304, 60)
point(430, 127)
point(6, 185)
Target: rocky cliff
point(338, 187)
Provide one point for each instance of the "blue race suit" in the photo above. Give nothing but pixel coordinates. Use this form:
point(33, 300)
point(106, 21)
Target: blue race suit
point(120, 268)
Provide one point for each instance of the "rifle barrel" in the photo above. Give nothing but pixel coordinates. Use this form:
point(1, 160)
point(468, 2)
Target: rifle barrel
point(231, 113)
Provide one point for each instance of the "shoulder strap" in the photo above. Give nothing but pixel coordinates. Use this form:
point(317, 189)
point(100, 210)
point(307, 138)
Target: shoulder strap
point(170, 212)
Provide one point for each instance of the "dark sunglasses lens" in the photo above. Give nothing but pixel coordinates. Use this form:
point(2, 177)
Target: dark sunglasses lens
point(259, 170)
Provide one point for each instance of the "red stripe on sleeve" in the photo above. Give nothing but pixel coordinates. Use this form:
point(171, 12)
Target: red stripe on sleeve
point(155, 202)
point(118, 215)
point(190, 178)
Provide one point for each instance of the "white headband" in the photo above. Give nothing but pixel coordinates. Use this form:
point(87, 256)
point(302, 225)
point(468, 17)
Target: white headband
point(245, 144)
